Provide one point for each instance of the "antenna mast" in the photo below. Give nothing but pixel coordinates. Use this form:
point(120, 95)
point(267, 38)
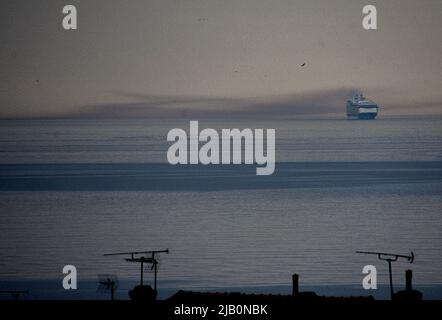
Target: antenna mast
point(143, 257)
point(390, 257)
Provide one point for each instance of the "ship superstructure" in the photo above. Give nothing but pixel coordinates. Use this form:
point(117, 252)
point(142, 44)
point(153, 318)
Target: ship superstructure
point(361, 108)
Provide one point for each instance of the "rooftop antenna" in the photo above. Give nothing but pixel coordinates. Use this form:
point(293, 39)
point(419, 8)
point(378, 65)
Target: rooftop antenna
point(15, 293)
point(390, 257)
point(108, 282)
point(143, 257)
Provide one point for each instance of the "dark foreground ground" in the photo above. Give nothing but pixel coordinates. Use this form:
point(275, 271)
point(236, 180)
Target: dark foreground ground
point(232, 305)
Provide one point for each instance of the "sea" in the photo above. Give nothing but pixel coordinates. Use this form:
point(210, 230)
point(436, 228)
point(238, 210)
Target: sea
point(74, 190)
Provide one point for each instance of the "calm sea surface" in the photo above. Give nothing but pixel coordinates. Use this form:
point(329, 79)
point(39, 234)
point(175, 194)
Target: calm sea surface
point(73, 190)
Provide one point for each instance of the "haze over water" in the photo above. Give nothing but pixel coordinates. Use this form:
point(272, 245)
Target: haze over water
point(71, 190)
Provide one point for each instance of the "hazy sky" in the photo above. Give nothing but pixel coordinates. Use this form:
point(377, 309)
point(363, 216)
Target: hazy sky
point(214, 55)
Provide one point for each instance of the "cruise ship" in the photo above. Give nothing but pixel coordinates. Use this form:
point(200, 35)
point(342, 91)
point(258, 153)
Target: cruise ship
point(361, 108)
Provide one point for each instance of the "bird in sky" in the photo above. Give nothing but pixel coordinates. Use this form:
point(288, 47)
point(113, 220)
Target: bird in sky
point(302, 65)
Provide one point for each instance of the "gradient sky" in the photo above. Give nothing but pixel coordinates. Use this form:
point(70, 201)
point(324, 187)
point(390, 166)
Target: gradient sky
point(216, 55)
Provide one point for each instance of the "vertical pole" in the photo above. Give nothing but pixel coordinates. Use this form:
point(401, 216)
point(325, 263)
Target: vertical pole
point(295, 284)
point(141, 277)
point(408, 278)
point(155, 275)
point(391, 278)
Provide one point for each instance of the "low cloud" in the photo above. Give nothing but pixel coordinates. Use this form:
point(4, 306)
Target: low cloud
point(154, 106)
point(312, 104)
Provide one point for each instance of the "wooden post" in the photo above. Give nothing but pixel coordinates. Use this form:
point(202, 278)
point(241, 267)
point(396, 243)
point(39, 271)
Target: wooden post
point(295, 284)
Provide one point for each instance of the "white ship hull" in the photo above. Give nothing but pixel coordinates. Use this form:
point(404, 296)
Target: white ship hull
point(362, 109)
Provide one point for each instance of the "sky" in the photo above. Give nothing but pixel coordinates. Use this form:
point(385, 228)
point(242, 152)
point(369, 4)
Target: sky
point(209, 57)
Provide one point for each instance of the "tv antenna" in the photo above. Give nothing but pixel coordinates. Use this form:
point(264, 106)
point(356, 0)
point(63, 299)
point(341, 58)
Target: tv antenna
point(390, 257)
point(143, 257)
point(108, 282)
